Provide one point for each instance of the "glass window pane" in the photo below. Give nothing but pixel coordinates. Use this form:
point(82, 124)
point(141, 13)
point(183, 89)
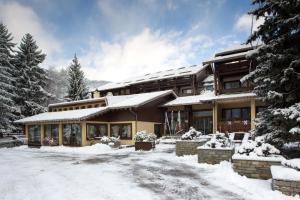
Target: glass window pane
point(232, 84)
point(47, 131)
point(226, 114)
point(103, 130)
point(54, 133)
point(245, 113)
point(91, 131)
point(34, 133)
point(236, 113)
point(67, 133)
point(76, 134)
point(115, 130)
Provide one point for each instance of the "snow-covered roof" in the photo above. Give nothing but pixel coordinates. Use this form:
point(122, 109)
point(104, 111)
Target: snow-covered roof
point(226, 58)
point(235, 48)
point(209, 78)
point(69, 115)
point(113, 102)
point(171, 73)
point(77, 102)
point(207, 96)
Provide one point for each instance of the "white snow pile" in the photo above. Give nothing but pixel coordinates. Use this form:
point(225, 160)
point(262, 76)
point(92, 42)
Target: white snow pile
point(143, 136)
point(192, 134)
point(111, 141)
point(218, 140)
point(257, 148)
point(293, 163)
point(93, 149)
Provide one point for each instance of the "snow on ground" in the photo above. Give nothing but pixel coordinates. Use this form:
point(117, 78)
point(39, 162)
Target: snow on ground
point(99, 172)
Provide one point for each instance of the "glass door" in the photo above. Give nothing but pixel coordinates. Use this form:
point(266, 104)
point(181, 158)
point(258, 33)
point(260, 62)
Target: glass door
point(72, 134)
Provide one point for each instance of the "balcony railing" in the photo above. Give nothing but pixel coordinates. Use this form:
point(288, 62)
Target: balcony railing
point(234, 126)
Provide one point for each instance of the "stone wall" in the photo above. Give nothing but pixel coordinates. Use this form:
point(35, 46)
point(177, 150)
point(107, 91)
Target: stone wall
point(287, 187)
point(214, 156)
point(259, 169)
point(188, 147)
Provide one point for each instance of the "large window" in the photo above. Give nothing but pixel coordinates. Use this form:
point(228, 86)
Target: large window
point(96, 131)
point(232, 84)
point(34, 134)
point(236, 114)
point(51, 134)
point(122, 130)
point(72, 134)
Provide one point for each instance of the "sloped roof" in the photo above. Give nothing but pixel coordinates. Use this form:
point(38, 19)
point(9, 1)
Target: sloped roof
point(69, 115)
point(113, 102)
point(208, 96)
point(172, 73)
point(93, 100)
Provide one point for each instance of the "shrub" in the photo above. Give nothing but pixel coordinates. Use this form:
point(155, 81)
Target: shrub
point(257, 148)
point(143, 136)
point(294, 163)
point(192, 134)
point(218, 140)
point(107, 140)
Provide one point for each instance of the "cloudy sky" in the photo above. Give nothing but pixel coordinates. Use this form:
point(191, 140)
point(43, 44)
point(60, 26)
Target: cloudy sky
point(116, 39)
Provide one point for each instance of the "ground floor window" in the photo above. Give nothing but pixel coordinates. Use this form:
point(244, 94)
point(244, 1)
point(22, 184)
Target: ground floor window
point(34, 134)
point(51, 134)
point(122, 130)
point(96, 130)
point(177, 121)
point(236, 114)
point(72, 134)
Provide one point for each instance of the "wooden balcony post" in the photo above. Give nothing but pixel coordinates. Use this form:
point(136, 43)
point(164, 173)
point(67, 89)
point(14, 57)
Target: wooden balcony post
point(253, 114)
point(215, 117)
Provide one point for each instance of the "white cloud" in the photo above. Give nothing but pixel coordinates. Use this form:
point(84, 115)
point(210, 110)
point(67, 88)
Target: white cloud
point(21, 20)
point(244, 23)
point(145, 52)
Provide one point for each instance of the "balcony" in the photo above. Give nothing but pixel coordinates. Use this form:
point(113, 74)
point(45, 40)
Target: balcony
point(234, 126)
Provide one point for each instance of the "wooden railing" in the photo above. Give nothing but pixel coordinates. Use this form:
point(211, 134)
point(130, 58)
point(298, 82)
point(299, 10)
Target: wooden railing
point(234, 126)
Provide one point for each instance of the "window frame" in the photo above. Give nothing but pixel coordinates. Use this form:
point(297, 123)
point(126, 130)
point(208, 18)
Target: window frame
point(95, 124)
point(241, 117)
point(230, 82)
point(121, 125)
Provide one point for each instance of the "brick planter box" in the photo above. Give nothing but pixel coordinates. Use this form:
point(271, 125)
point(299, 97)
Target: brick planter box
point(214, 155)
point(144, 146)
point(285, 180)
point(255, 167)
point(188, 147)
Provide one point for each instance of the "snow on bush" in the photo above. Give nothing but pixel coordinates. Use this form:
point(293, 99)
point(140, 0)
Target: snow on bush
point(294, 163)
point(111, 141)
point(218, 140)
point(192, 134)
point(257, 148)
point(143, 136)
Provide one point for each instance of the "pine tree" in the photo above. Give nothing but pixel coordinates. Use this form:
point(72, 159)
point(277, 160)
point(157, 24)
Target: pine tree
point(31, 79)
point(77, 89)
point(276, 77)
point(7, 109)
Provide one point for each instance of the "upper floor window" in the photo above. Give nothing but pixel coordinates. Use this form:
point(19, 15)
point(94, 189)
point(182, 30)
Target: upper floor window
point(208, 87)
point(232, 84)
point(187, 91)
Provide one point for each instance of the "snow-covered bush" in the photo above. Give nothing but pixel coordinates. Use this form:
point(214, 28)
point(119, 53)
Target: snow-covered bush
point(111, 141)
point(294, 163)
point(218, 140)
point(143, 136)
point(192, 134)
point(257, 148)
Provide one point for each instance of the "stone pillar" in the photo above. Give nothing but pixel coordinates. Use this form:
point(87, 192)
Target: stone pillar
point(60, 134)
point(253, 113)
point(215, 117)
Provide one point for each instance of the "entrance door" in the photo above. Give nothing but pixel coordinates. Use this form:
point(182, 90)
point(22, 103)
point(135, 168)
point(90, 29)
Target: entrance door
point(203, 124)
point(72, 134)
point(202, 121)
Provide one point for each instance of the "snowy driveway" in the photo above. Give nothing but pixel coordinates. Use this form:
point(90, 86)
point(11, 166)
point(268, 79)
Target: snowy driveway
point(68, 173)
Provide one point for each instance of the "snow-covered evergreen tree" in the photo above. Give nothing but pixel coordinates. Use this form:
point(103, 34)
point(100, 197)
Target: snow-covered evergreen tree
point(7, 108)
point(77, 89)
point(277, 75)
point(30, 78)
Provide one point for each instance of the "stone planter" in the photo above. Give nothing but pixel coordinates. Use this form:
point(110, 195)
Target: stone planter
point(188, 147)
point(214, 155)
point(144, 146)
point(285, 180)
point(255, 167)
